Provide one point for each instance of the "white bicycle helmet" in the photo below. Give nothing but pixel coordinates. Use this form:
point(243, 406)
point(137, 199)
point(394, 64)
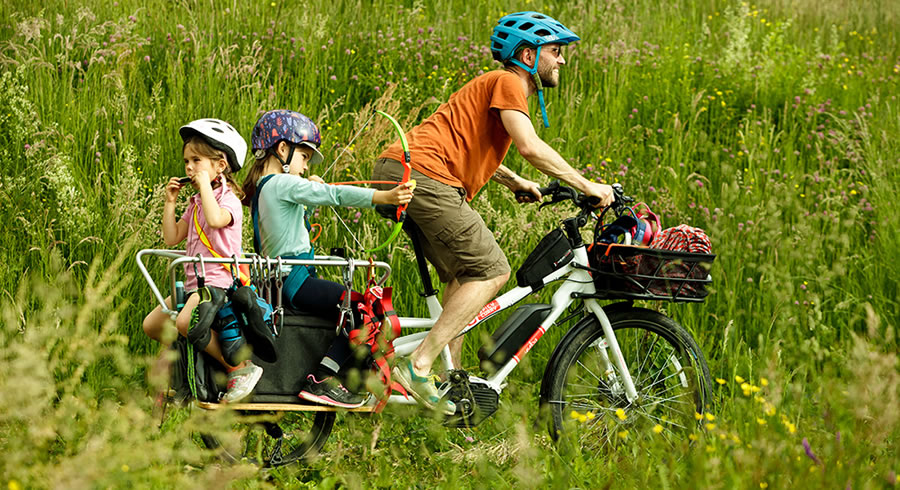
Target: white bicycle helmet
point(221, 136)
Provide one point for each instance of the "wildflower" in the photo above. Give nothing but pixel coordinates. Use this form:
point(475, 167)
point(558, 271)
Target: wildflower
point(574, 414)
point(763, 484)
point(760, 421)
point(710, 426)
point(698, 416)
point(657, 429)
point(808, 450)
point(710, 416)
point(147, 58)
point(692, 437)
point(623, 434)
point(620, 413)
point(470, 439)
point(720, 381)
point(739, 379)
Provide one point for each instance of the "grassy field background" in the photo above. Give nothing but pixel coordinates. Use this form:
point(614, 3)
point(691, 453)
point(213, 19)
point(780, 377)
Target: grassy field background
point(766, 123)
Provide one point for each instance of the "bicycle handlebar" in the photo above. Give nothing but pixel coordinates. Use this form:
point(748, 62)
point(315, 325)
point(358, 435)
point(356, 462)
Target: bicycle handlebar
point(559, 193)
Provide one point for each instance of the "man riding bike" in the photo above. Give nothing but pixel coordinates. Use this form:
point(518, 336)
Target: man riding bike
point(457, 150)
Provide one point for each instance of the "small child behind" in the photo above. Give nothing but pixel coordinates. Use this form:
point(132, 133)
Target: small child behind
point(212, 151)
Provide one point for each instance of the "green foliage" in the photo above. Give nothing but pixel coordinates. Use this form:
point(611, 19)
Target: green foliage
point(768, 124)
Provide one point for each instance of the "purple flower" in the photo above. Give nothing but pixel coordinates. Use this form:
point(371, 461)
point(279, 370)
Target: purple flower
point(147, 58)
point(27, 146)
point(333, 78)
point(97, 154)
point(377, 88)
point(808, 449)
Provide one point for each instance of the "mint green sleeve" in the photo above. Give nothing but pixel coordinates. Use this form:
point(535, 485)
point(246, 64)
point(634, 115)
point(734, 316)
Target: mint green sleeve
point(303, 191)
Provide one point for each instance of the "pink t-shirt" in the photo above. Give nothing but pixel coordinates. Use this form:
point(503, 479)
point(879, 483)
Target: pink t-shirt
point(226, 241)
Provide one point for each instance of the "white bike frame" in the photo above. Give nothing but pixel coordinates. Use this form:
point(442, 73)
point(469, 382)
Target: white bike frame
point(575, 279)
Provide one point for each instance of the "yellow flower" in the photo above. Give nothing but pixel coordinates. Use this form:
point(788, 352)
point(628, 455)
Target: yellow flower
point(13, 485)
point(710, 416)
point(623, 434)
point(764, 381)
point(574, 414)
point(125, 468)
point(698, 415)
point(657, 429)
point(760, 421)
point(710, 426)
point(589, 415)
point(763, 484)
point(692, 437)
point(620, 413)
point(853, 192)
point(720, 381)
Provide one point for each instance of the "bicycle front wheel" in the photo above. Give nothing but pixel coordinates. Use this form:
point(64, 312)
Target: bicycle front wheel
point(585, 393)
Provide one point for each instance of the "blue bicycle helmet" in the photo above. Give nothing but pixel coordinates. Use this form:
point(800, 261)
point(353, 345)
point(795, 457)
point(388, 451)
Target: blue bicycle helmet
point(528, 29)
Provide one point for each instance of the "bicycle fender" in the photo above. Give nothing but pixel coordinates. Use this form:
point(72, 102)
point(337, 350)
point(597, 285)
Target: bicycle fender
point(571, 334)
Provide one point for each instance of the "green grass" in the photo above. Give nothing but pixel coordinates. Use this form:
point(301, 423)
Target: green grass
point(768, 124)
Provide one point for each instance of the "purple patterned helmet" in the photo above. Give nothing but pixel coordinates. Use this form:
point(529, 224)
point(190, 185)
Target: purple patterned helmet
point(283, 125)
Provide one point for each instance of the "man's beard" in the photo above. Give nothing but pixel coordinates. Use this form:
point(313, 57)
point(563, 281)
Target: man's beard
point(547, 78)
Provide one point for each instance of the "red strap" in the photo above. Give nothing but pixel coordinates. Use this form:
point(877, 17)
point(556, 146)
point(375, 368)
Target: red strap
point(374, 305)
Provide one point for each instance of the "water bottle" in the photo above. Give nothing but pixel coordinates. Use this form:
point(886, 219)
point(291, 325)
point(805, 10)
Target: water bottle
point(179, 295)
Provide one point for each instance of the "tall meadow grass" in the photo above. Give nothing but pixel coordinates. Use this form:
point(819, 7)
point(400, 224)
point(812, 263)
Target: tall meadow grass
point(770, 124)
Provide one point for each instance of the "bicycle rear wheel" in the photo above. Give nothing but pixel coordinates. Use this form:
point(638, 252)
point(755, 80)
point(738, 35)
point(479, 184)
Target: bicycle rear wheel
point(584, 393)
point(277, 439)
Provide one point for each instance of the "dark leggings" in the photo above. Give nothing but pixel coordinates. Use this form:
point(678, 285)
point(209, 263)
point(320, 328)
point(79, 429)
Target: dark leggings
point(322, 298)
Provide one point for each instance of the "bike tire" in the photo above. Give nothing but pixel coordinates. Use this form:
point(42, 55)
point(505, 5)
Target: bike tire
point(668, 368)
point(294, 437)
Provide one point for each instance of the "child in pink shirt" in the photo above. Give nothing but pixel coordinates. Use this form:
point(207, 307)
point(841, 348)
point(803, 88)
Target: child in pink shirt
point(212, 150)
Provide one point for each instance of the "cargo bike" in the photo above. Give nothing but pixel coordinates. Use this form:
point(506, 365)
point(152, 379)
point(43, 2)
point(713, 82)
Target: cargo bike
point(618, 367)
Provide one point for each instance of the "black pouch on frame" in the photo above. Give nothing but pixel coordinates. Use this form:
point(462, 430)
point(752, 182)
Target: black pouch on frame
point(551, 253)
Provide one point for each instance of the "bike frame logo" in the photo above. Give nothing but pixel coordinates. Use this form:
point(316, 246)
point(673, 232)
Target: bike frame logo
point(488, 310)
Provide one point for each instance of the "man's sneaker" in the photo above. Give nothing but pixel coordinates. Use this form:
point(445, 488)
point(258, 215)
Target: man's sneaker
point(421, 388)
point(329, 391)
point(241, 382)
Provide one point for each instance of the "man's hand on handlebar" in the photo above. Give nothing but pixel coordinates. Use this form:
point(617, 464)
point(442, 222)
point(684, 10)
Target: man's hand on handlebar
point(604, 193)
point(526, 191)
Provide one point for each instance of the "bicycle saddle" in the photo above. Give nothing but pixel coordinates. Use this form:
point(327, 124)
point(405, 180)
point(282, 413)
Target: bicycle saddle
point(388, 211)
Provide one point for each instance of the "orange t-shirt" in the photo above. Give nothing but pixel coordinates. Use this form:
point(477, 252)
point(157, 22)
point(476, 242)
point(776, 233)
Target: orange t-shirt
point(464, 142)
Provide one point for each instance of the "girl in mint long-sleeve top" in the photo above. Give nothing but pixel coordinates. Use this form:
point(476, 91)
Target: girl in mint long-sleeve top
point(285, 144)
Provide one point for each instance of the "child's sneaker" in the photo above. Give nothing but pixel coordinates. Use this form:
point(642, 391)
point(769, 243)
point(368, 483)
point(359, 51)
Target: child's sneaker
point(329, 391)
point(241, 382)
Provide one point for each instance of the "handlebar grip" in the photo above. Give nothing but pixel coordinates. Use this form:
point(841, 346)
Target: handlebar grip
point(543, 190)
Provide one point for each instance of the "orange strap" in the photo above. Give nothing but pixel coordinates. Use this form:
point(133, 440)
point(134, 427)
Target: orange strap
point(243, 273)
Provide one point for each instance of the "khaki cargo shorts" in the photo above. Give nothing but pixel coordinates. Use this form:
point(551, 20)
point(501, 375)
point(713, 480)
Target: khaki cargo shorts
point(454, 237)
